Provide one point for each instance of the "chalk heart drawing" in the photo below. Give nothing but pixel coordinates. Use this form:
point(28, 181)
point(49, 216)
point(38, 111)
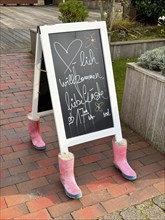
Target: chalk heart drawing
point(67, 55)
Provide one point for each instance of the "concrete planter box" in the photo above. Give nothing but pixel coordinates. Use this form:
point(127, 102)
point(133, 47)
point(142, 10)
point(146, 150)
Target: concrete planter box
point(143, 107)
point(119, 49)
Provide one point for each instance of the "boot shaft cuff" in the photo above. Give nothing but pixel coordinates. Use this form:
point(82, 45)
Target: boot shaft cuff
point(29, 116)
point(121, 143)
point(66, 157)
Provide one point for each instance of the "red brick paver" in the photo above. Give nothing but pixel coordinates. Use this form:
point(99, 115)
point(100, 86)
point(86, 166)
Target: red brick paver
point(30, 186)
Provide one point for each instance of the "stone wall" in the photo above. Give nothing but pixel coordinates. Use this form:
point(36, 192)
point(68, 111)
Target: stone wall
point(127, 49)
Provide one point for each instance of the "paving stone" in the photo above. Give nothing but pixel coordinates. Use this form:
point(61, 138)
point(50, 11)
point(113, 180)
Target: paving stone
point(160, 201)
point(113, 216)
point(151, 211)
point(148, 210)
point(11, 180)
point(132, 214)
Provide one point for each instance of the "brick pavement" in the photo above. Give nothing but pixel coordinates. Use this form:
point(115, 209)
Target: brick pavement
point(30, 186)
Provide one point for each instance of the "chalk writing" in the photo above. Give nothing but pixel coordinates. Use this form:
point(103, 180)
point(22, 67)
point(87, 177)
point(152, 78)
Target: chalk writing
point(85, 97)
point(75, 78)
point(70, 119)
point(82, 85)
point(63, 52)
point(84, 60)
point(99, 106)
point(91, 40)
point(106, 114)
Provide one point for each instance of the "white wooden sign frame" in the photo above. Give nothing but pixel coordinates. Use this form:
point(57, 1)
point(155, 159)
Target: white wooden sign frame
point(43, 46)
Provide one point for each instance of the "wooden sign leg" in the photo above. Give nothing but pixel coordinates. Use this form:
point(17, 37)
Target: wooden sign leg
point(36, 83)
point(33, 118)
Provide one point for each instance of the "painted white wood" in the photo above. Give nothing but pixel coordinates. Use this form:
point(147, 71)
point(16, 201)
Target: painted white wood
point(36, 82)
point(64, 142)
point(111, 83)
point(45, 113)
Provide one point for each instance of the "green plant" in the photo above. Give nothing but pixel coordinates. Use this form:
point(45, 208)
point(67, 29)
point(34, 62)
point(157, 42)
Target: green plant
point(153, 60)
point(119, 70)
point(122, 24)
point(125, 30)
point(148, 11)
point(72, 11)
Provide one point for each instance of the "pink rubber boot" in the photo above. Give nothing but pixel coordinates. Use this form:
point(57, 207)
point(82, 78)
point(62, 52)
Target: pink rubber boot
point(120, 159)
point(35, 134)
point(66, 167)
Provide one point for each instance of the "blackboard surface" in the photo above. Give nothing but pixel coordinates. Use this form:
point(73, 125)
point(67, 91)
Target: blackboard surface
point(81, 80)
point(44, 100)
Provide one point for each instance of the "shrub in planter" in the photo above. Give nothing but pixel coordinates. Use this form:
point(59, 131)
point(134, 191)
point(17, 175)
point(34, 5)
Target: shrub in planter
point(153, 60)
point(72, 11)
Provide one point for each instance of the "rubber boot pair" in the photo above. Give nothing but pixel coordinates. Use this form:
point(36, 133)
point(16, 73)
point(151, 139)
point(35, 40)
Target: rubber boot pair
point(66, 167)
point(35, 133)
point(66, 161)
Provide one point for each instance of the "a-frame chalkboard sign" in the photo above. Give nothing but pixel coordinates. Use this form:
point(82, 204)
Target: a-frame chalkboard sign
point(73, 78)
